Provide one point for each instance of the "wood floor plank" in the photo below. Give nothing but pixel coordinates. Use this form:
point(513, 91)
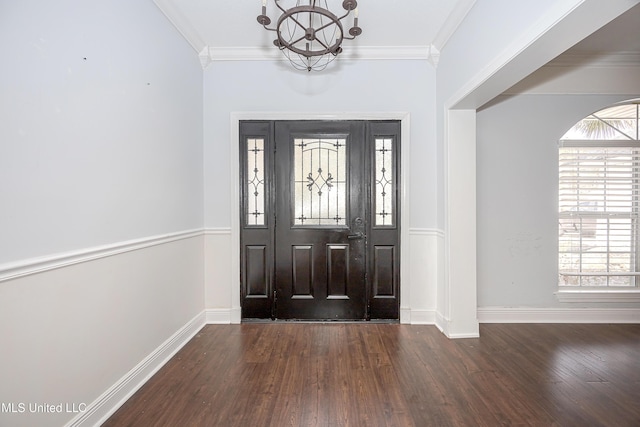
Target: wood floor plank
point(370, 374)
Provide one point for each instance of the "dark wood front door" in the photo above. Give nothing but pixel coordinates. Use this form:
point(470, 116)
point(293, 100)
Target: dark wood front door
point(320, 209)
point(320, 213)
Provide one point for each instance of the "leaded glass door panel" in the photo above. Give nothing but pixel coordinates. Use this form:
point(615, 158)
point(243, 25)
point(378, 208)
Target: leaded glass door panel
point(320, 234)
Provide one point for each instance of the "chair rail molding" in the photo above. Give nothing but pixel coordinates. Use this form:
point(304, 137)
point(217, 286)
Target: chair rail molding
point(31, 266)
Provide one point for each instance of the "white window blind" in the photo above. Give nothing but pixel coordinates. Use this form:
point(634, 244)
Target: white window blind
point(598, 213)
point(598, 226)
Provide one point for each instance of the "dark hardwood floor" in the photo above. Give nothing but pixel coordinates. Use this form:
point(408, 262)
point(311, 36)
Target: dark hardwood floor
point(369, 374)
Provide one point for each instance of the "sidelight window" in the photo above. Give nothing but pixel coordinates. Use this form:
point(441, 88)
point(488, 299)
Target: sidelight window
point(255, 182)
point(384, 186)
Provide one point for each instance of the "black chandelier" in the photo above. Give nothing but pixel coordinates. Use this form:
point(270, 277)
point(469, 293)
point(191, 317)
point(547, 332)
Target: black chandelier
point(309, 34)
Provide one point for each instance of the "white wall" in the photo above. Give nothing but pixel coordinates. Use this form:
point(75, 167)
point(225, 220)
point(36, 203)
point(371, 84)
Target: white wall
point(487, 40)
point(517, 196)
point(501, 42)
point(95, 150)
point(489, 30)
point(350, 87)
point(364, 86)
point(100, 147)
point(498, 44)
point(517, 183)
point(71, 334)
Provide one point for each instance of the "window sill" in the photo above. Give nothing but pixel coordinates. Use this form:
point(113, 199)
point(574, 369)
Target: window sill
point(599, 295)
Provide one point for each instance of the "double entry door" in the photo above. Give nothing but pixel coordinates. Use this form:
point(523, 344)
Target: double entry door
point(320, 220)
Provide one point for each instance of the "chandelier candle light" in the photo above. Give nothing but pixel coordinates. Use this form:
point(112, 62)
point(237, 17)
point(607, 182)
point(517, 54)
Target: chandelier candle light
point(309, 34)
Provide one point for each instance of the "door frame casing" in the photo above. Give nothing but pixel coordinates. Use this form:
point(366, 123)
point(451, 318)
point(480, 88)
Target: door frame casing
point(237, 117)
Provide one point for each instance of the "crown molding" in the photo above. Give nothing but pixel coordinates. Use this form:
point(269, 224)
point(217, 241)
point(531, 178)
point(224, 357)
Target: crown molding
point(434, 55)
point(388, 52)
point(213, 54)
point(182, 24)
point(208, 54)
point(452, 23)
point(205, 57)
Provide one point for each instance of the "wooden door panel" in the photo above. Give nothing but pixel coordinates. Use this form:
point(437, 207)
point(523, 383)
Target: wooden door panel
point(338, 272)
point(302, 271)
point(383, 271)
point(256, 272)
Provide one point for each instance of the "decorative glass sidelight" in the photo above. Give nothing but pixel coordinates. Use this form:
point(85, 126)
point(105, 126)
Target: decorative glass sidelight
point(320, 181)
point(384, 190)
point(255, 182)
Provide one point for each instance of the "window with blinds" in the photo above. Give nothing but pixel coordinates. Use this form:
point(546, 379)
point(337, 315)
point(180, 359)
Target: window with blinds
point(599, 212)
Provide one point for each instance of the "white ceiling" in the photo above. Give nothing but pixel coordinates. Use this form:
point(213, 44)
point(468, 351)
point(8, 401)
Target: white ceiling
point(228, 29)
point(226, 25)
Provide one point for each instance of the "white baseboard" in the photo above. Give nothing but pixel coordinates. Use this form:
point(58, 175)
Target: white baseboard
point(442, 323)
point(236, 315)
point(422, 317)
point(102, 408)
point(558, 315)
point(218, 316)
point(405, 316)
point(445, 326)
